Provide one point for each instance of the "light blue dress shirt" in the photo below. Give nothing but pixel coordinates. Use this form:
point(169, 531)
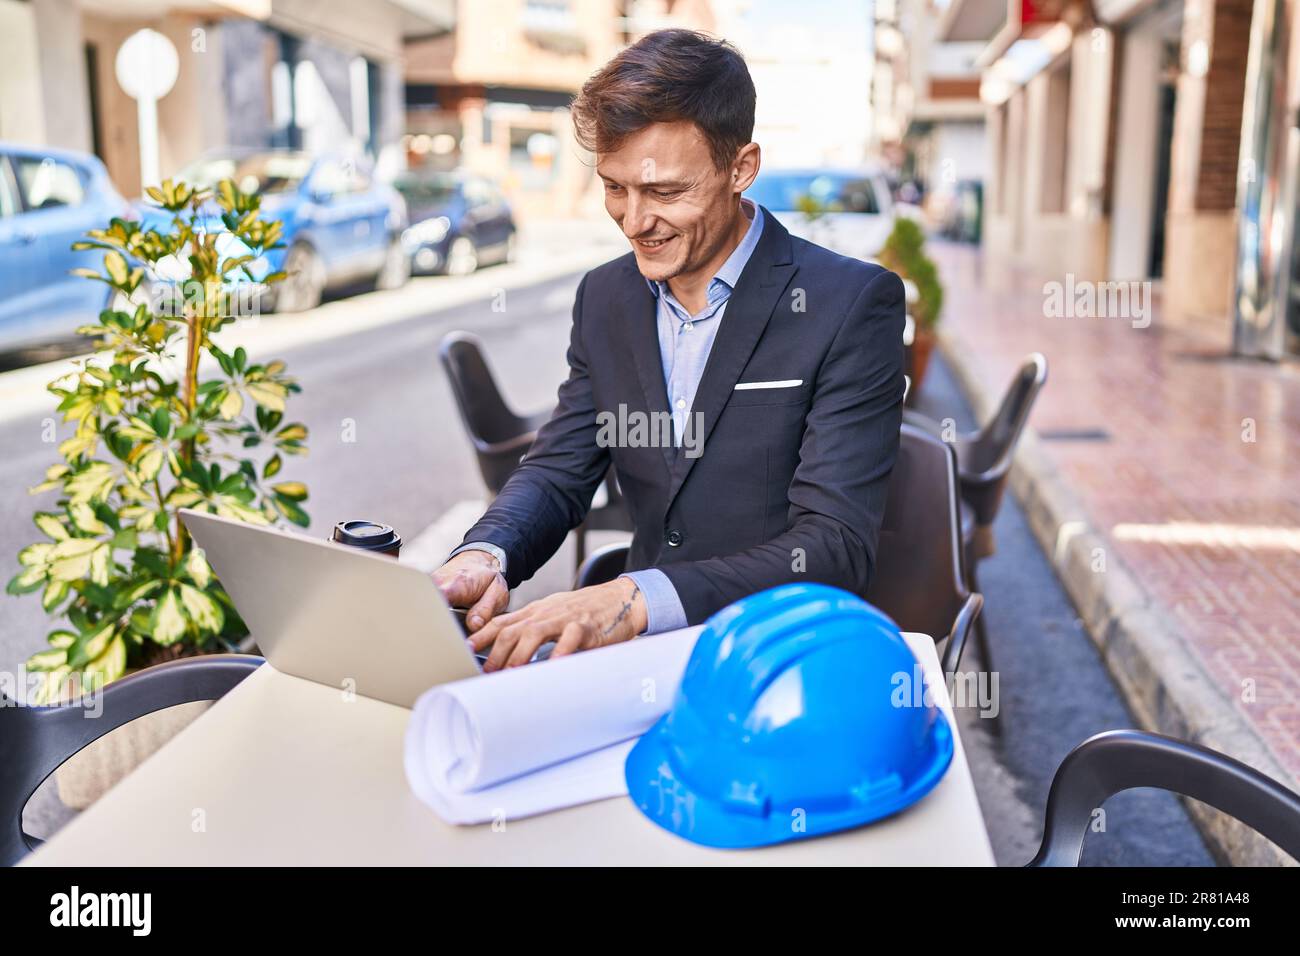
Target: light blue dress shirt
point(685, 342)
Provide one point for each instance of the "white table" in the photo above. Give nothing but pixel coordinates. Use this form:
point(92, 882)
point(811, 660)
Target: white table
point(283, 771)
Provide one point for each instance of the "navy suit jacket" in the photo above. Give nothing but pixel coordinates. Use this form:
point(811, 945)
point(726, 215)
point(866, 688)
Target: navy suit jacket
point(791, 482)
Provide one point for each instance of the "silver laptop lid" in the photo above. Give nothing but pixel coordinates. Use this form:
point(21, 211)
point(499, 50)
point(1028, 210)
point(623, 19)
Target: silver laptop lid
point(333, 614)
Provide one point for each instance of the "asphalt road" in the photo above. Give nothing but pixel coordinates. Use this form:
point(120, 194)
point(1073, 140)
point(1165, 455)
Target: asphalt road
point(386, 444)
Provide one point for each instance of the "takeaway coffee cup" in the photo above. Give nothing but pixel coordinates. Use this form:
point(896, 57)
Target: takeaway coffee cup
point(368, 536)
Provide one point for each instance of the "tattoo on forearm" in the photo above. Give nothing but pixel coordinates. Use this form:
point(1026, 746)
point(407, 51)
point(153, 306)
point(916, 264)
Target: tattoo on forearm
point(627, 607)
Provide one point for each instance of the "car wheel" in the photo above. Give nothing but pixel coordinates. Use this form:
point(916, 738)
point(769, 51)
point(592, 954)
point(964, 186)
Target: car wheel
point(462, 257)
point(397, 267)
point(304, 281)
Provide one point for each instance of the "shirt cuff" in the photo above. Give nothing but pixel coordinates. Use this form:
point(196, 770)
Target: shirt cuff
point(664, 611)
point(487, 546)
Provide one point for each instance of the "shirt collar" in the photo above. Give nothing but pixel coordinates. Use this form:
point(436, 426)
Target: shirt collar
point(729, 272)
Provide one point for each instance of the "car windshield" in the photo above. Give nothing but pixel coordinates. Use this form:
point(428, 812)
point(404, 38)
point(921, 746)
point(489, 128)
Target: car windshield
point(426, 190)
point(809, 192)
point(259, 173)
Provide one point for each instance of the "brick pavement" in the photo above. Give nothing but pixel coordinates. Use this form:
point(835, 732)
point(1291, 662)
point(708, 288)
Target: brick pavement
point(1192, 482)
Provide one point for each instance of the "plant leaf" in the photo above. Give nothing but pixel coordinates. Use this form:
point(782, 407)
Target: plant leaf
point(202, 610)
point(51, 525)
point(291, 489)
point(167, 623)
point(269, 394)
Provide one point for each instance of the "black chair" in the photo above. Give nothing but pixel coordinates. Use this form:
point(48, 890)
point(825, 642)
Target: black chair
point(34, 741)
point(501, 437)
point(984, 459)
point(1117, 760)
point(603, 564)
point(919, 578)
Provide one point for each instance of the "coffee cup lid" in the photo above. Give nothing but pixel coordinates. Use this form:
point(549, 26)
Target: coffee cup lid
point(370, 535)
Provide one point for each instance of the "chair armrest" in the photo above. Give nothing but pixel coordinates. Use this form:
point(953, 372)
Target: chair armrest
point(64, 729)
point(960, 631)
point(602, 565)
point(42, 738)
point(519, 444)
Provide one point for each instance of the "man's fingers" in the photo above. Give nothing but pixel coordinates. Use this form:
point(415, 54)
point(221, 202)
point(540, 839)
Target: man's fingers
point(571, 639)
point(502, 644)
point(493, 600)
point(535, 634)
point(485, 636)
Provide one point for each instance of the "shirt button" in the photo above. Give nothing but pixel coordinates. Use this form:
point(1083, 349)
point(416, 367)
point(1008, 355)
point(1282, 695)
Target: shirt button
point(688, 326)
point(674, 538)
point(681, 403)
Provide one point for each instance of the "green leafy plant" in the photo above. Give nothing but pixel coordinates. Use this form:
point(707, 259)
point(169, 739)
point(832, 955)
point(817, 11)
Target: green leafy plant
point(811, 207)
point(152, 436)
point(904, 253)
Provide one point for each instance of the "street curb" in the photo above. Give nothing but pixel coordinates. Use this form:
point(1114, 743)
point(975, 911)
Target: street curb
point(1167, 688)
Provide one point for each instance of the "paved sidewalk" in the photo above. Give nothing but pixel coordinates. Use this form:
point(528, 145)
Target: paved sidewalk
point(1161, 478)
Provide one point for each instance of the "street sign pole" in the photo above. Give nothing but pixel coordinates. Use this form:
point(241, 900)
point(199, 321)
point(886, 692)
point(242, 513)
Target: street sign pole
point(146, 68)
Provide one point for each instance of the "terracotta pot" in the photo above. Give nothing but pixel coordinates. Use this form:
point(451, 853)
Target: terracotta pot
point(923, 343)
point(88, 775)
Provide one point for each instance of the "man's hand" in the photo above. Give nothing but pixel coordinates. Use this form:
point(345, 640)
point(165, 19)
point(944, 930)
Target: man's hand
point(575, 620)
point(472, 579)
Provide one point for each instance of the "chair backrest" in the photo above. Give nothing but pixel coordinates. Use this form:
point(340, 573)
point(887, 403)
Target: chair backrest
point(484, 411)
point(1119, 760)
point(35, 740)
point(918, 579)
point(602, 565)
point(987, 456)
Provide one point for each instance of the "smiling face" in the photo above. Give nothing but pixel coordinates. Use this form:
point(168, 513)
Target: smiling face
point(672, 202)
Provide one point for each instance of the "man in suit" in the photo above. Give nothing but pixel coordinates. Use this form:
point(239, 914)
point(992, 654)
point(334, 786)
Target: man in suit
point(746, 385)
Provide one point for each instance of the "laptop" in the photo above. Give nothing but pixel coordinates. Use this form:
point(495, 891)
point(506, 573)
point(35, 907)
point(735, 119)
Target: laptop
point(336, 615)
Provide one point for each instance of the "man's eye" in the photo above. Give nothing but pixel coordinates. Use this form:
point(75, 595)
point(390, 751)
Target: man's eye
point(663, 193)
point(612, 187)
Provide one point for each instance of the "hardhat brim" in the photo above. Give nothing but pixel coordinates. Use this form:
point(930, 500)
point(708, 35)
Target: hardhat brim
point(672, 804)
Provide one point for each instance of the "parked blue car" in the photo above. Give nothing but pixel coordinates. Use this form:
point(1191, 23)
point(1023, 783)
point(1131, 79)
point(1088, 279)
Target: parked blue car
point(340, 226)
point(458, 222)
point(49, 198)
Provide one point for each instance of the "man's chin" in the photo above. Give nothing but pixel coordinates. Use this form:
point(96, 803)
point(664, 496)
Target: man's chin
point(657, 271)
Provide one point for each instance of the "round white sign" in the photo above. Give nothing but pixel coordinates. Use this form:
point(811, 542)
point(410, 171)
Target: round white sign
point(147, 65)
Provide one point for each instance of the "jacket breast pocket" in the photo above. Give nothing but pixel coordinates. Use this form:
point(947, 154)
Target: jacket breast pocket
point(783, 392)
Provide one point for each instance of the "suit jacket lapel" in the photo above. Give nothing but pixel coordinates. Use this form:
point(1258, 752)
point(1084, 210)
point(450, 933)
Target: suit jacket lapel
point(639, 307)
point(759, 289)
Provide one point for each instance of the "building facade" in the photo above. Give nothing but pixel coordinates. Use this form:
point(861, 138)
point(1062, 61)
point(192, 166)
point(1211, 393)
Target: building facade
point(492, 94)
point(929, 116)
point(316, 74)
point(1147, 140)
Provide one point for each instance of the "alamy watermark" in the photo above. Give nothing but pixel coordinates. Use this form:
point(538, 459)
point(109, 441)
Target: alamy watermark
point(177, 299)
point(1081, 299)
point(975, 689)
point(633, 428)
point(84, 690)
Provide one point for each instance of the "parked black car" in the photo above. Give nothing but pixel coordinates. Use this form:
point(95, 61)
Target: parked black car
point(459, 222)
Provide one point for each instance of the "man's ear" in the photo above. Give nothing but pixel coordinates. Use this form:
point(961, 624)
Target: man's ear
point(745, 168)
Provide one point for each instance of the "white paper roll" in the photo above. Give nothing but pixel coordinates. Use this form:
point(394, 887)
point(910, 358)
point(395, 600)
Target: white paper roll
point(551, 734)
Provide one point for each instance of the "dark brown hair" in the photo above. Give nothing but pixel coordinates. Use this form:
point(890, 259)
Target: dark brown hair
point(666, 76)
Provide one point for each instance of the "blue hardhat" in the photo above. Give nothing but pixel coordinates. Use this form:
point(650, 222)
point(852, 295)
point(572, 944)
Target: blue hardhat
point(797, 716)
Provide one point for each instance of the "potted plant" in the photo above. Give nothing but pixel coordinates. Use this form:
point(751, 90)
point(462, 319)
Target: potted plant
point(152, 434)
point(904, 253)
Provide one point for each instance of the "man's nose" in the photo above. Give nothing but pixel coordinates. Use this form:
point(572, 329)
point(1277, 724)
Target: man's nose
point(637, 218)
